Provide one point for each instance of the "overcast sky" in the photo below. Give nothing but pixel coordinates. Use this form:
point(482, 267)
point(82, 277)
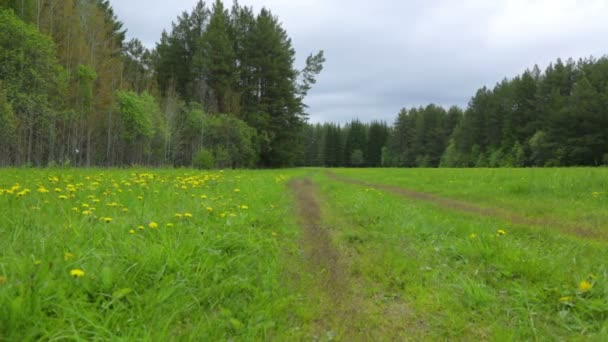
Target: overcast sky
point(384, 55)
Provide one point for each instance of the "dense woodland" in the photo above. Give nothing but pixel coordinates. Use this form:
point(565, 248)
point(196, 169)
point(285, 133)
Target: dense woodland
point(220, 90)
point(558, 117)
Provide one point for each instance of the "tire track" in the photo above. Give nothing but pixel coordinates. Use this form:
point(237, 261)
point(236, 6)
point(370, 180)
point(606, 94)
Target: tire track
point(452, 204)
point(341, 310)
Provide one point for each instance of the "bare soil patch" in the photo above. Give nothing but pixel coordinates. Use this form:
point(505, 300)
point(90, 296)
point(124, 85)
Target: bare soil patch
point(316, 242)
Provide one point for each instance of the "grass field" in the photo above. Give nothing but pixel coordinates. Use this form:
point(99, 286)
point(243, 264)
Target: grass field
point(304, 254)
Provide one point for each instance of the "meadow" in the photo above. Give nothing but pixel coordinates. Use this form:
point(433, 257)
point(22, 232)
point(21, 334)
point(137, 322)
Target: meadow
point(304, 254)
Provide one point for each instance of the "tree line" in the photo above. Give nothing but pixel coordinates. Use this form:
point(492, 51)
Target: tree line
point(220, 90)
point(219, 86)
point(557, 117)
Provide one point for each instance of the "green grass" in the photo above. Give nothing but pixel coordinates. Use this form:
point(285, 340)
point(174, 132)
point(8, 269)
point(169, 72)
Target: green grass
point(458, 277)
point(214, 276)
point(575, 195)
point(237, 270)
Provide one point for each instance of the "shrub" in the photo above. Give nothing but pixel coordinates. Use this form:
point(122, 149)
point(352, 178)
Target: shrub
point(203, 159)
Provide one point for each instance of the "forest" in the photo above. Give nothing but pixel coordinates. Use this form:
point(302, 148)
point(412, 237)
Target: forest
point(558, 117)
point(220, 90)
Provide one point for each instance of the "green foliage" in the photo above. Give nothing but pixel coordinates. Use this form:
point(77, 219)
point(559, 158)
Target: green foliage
point(30, 73)
point(203, 159)
point(333, 148)
point(356, 158)
point(233, 142)
point(356, 139)
point(241, 64)
point(377, 137)
point(218, 58)
point(137, 112)
point(187, 133)
point(8, 130)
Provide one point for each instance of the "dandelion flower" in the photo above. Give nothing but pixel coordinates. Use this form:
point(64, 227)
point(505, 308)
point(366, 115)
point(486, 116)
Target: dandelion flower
point(244, 207)
point(566, 299)
point(237, 190)
point(43, 190)
point(132, 231)
point(63, 197)
point(153, 224)
point(187, 215)
point(141, 227)
point(501, 232)
point(473, 236)
point(170, 225)
point(68, 256)
point(584, 286)
point(77, 273)
point(209, 209)
point(178, 215)
point(107, 219)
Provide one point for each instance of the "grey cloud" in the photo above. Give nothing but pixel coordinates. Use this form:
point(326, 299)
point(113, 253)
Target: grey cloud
point(385, 55)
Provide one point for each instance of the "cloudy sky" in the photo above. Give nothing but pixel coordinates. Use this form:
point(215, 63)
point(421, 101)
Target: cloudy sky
point(384, 55)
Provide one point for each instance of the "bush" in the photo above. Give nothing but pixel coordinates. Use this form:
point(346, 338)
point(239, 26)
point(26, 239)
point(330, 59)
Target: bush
point(203, 159)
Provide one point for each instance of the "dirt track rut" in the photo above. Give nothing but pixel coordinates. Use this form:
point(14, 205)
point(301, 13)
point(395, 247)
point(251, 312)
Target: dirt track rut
point(448, 203)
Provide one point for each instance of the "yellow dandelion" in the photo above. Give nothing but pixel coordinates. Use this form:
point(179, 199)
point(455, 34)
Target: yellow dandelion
point(58, 190)
point(209, 209)
point(77, 273)
point(566, 299)
point(87, 212)
point(204, 196)
point(473, 236)
point(153, 224)
point(43, 190)
point(67, 256)
point(187, 215)
point(125, 210)
point(170, 225)
point(584, 286)
point(107, 219)
point(178, 215)
point(75, 209)
point(85, 205)
point(141, 227)
point(501, 232)
point(63, 197)
point(237, 190)
point(141, 198)
point(132, 231)
point(244, 207)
